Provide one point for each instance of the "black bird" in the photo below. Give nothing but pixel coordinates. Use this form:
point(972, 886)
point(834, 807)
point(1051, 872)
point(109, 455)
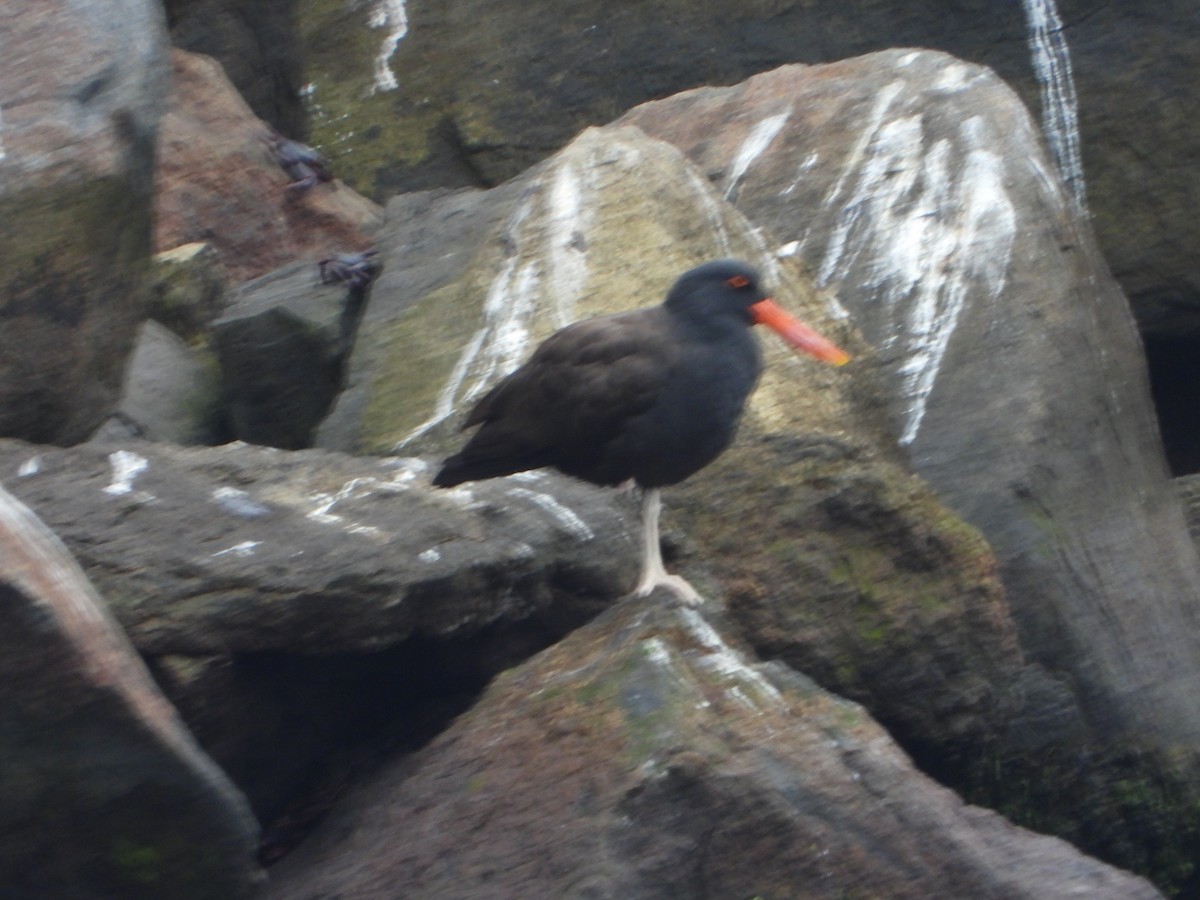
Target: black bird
point(651, 396)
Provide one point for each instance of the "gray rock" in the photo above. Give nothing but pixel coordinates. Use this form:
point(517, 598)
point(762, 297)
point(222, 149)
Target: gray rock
point(84, 88)
point(240, 549)
point(281, 346)
point(170, 392)
point(290, 603)
point(913, 186)
point(645, 756)
point(105, 792)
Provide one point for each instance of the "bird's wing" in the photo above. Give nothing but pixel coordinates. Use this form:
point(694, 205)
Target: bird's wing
point(574, 396)
point(584, 379)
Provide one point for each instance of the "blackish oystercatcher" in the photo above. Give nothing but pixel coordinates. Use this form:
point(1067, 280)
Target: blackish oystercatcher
point(650, 396)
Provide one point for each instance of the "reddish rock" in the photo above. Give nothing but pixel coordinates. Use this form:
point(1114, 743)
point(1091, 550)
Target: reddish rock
point(217, 182)
point(105, 794)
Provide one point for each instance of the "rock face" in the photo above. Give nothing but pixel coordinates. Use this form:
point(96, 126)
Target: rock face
point(645, 757)
point(84, 88)
point(824, 547)
point(474, 92)
point(911, 185)
point(358, 554)
point(218, 183)
point(105, 792)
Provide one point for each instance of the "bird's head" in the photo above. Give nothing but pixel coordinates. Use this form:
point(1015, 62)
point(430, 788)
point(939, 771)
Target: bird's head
point(718, 290)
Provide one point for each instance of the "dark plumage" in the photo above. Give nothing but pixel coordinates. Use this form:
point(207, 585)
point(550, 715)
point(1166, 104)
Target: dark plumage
point(652, 395)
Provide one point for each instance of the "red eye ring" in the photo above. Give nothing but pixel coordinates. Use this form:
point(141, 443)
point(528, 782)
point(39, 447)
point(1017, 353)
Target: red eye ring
point(738, 281)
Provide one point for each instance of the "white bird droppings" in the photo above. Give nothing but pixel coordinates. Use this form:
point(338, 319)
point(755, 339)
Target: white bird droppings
point(757, 141)
point(126, 466)
point(389, 14)
point(564, 516)
point(245, 548)
point(1060, 107)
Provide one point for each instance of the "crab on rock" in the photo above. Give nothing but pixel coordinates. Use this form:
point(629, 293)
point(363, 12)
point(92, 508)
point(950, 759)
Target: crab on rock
point(355, 270)
point(304, 165)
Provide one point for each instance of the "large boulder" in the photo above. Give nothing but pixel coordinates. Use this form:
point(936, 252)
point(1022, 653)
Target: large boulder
point(913, 186)
point(84, 88)
point(105, 793)
point(646, 757)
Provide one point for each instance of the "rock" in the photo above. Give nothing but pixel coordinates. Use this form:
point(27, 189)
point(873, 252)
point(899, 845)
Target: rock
point(217, 182)
point(644, 756)
point(282, 345)
point(83, 90)
point(105, 792)
point(241, 549)
point(188, 285)
point(913, 186)
point(258, 46)
point(291, 603)
point(170, 393)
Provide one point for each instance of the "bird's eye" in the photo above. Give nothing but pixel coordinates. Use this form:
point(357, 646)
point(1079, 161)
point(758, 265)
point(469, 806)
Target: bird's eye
point(738, 281)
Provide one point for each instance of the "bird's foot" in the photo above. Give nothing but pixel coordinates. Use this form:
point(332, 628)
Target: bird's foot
point(675, 583)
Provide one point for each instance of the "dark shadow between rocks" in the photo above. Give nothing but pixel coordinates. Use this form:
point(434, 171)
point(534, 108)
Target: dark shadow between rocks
point(1174, 366)
point(295, 731)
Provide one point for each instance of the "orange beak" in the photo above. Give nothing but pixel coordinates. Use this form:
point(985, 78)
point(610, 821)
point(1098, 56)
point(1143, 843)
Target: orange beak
point(768, 312)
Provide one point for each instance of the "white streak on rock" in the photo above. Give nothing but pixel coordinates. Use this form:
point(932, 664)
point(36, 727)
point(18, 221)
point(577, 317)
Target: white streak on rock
point(564, 516)
point(3, 152)
point(389, 14)
point(126, 466)
point(245, 548)
point(325, 503)
point(239, 503)
point(932, 232)
point(566, 243)
point(884, 100)
point(31, 466)
point(1060, 107)
point(429, 556)
point(756, 142)
point(500, 342)
point(726, 661)
point(508, 309)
